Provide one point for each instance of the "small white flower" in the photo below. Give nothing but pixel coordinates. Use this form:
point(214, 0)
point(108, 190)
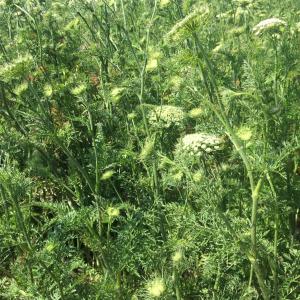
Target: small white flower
point(272, 24)
point(208, 150)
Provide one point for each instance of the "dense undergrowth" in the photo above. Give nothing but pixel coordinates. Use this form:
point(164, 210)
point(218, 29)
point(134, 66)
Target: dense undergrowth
point(149, 149)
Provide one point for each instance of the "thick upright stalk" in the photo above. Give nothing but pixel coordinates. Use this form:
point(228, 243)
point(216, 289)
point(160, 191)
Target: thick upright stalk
point(218, 109)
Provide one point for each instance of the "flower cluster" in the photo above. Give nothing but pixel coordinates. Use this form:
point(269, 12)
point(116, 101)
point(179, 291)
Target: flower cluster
point(166, 116)
point(156, 287)
point(196, 144)
point(113, 212)
point(268, 25)
point(148, 149)
point(177, 257)
point(16, 68)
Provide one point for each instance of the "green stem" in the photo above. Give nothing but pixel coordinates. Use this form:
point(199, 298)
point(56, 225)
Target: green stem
point(221, 115)
point(143, 71)
point(250, 277)
point(254, 252)
point(176, 284)
point(255, 197)
point(275, 251)
point(275, 71)
point(124, 16)
point(95, 148)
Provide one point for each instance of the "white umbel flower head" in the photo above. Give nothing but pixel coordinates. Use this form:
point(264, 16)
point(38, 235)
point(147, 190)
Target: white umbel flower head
point(269, 25)
point(156, 287)
point(196, 144)
point(166, 116)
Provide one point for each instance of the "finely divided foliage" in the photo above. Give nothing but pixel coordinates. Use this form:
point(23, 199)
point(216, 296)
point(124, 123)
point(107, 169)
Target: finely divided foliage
point(149, 149)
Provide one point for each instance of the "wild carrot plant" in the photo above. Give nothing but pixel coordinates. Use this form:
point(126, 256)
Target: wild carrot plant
point(149, 149)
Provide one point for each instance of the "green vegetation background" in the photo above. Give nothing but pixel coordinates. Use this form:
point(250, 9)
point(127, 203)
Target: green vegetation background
point(106, 192)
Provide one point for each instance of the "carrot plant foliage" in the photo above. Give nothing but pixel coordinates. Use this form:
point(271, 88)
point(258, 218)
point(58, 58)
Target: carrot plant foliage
point(149, 149)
